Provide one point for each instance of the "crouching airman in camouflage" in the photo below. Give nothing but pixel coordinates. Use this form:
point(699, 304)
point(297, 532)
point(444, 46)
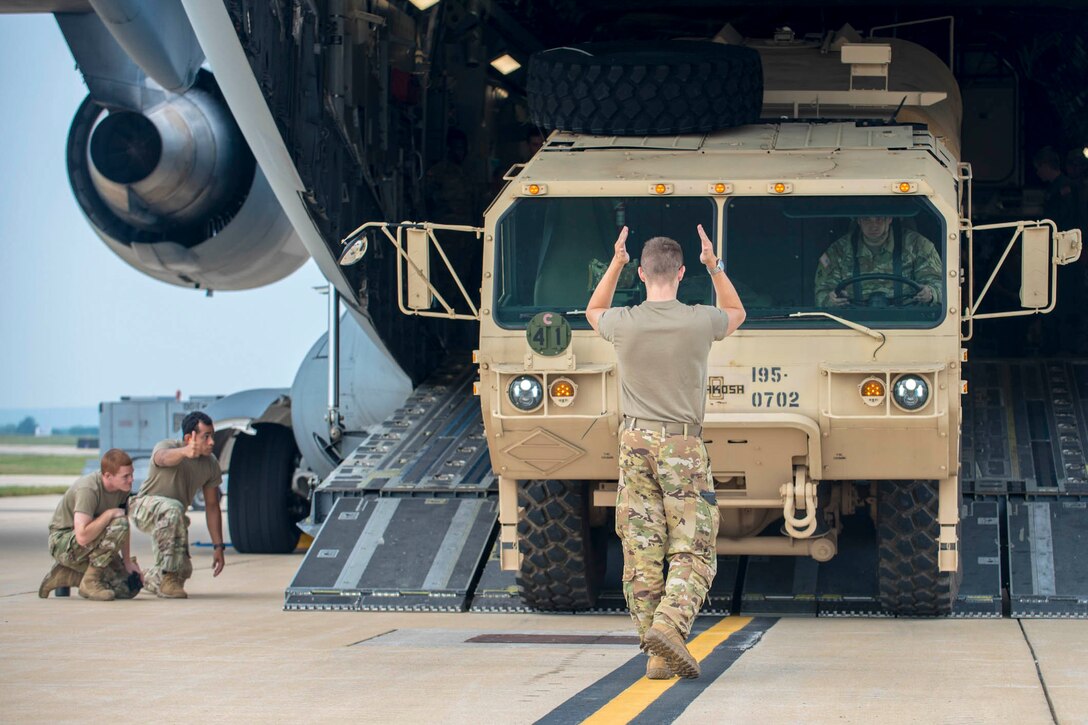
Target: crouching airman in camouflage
point(666, 512)
point(89, 535)
point(178, 470)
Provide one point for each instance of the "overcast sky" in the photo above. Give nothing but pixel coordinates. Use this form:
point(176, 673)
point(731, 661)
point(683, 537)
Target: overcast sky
point(78, 325)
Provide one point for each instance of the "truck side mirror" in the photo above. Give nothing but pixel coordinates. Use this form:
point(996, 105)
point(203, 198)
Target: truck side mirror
point(1035, 268)
point(419, 270)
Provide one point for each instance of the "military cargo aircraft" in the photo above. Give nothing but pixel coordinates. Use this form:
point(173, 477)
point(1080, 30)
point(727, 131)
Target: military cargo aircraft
point(223, 142)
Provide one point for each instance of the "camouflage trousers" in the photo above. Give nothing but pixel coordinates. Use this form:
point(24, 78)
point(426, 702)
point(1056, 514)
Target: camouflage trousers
point(164, 518)
point(64, 548)
point(666, 516)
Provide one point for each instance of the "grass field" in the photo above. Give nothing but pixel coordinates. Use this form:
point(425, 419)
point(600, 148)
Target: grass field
point(41, 465)
point(31, 490)
point(40, 440)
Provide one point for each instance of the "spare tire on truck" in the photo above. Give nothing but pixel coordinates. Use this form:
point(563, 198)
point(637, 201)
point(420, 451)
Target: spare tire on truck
point(625, 89)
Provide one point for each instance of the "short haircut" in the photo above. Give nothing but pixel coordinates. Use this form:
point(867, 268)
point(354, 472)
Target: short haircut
point(190, 422)
point(114, 460)
point(661, 258)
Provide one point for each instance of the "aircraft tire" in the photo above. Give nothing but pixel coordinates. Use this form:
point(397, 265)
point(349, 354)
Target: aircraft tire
point(907, 529)
point(262, 509)
point(560, 569)
point(624, 89)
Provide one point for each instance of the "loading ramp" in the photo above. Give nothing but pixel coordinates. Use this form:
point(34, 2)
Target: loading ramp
point(409, 519)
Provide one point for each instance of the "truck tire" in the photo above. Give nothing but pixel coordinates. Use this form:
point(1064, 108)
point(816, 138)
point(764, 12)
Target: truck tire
point(907, 530)
point(560, 571)
point(618, 89)
point(262, 510)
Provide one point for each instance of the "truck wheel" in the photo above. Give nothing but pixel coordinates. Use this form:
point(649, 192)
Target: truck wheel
point(262, 510)
point(907, 530)
point(560, 571)
point(618, 89)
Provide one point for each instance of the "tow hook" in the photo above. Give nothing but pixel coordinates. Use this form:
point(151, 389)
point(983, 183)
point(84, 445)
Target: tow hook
point(802, 491)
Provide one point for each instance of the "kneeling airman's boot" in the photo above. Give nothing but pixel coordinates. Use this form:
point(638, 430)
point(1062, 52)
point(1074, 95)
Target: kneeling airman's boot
point(94, 587)
point(171, 586)
point(664, 641)
point(124, 584)
point(658, 669)
point(59, 576)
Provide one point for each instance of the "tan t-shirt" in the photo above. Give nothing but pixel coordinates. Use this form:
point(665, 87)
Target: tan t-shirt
point(88, 496)
point(180, 482)
point(662, 349)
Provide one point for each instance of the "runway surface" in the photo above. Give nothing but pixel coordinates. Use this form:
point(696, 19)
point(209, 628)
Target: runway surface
point(229, 653)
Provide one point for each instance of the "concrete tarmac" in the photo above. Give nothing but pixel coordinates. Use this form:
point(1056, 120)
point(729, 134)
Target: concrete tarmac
point(230, 654)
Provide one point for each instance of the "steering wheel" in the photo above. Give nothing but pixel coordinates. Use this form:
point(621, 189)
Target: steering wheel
point(879, 299)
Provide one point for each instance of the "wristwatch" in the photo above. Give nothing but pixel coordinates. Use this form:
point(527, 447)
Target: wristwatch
point(717, 268)
point(219, 546)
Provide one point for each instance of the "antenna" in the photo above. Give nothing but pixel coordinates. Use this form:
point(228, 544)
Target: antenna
point(897, 110)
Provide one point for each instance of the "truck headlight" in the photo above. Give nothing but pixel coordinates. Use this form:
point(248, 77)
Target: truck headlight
point(526, 393)
point(910, 392)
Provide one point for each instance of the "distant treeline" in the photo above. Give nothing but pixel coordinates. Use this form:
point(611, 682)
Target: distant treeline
point(28, 427)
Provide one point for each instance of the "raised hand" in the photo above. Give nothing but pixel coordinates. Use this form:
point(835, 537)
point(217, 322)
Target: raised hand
point(706, 255)
point(192, 448)
point(621, 254)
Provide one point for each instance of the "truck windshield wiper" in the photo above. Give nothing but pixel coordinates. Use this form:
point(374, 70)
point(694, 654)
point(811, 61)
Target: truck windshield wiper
point(536, 311)
point(870, 332)
point(843, 321)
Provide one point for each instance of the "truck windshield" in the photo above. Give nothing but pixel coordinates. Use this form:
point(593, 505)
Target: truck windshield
point(878, 261)
point(552, 252)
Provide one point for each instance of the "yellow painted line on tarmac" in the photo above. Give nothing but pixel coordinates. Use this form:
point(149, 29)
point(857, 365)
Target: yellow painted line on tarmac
point(630, 703)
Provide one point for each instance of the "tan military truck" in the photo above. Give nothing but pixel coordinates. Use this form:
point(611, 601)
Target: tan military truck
point(840, 393)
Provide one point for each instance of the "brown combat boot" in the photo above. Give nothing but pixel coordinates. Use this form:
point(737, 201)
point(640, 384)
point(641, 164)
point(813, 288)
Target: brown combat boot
point(94, 587)
point(171, 586)
point(664, 641)
point(59, 576)
point(658, 669)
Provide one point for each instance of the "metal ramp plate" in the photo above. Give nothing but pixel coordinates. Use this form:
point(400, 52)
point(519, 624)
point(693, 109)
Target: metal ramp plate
point(497, 590)
point(846, 586)
point(385, 553)
point(434, 445)
point(1047, 573)
point(1025, 424)
point(980, 553)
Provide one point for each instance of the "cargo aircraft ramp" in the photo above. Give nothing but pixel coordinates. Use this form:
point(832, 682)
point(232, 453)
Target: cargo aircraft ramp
point(409, 519)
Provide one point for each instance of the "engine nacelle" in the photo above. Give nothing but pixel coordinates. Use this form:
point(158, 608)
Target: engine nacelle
point(175, 192)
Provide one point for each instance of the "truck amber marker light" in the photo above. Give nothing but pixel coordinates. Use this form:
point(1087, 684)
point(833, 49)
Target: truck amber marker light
point(872, 391)
point(721, 188)
point(780, 187)
point(535, 189)
point(562, 392)
point(661, 189)
point(905, 187)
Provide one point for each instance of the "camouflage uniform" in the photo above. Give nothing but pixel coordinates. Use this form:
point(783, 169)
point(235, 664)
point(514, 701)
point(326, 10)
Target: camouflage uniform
point(666, 512)
point(104, 552)
point(918, 261)
point(164, 518)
